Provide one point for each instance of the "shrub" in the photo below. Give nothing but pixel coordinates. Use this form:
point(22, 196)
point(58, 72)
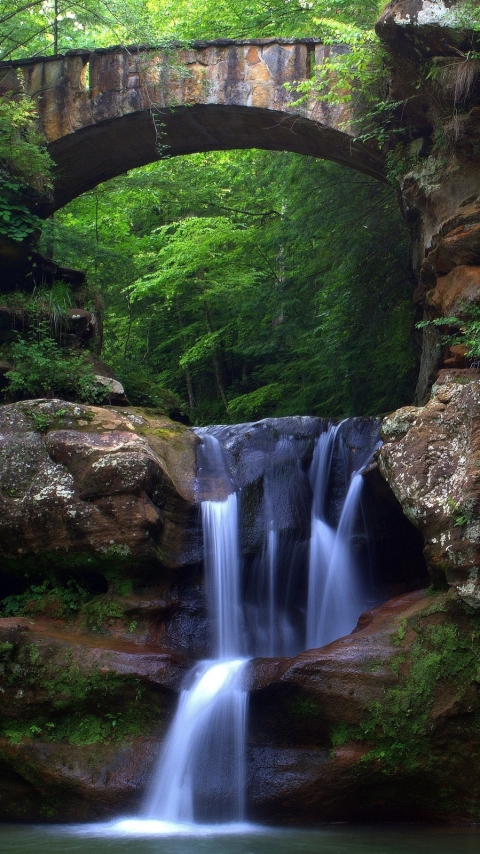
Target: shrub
point(44, 369)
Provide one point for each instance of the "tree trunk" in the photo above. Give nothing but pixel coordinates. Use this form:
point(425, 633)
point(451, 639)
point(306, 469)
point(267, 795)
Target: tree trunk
point(216, 362)
point(187, 374)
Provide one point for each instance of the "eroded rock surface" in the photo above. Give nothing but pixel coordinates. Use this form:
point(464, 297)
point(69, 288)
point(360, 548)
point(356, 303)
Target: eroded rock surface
point(431, 459)
point(436, 84)
point(379, 725)
point(382, 724)
point(81, 717)
point(108, 483)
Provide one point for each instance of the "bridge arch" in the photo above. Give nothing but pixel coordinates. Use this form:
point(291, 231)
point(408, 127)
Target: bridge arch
point(106, 112)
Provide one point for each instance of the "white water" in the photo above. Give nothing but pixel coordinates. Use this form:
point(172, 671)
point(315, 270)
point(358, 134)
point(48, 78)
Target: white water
point(222, 574)
point(335, 599)
point(205, 742)
point(200, 773)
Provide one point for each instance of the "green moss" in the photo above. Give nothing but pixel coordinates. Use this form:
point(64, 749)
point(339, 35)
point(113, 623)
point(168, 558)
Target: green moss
point(399, 636)
point(81, 707)
point(442, 654)
point(52, 597)
point(101, 609)
point(341, 733)
point(6, 649)
point(304, 707)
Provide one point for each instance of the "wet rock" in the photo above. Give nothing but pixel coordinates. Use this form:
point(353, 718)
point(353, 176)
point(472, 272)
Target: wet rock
point(431, 460)
point(65, 693)
point(311, 756)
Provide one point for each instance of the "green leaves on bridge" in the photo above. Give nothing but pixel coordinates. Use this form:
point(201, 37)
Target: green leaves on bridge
point(24, 166)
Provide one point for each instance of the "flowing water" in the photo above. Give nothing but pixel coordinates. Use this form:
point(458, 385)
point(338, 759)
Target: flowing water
point(286, 581)
point(335, 595)
point(200, 774)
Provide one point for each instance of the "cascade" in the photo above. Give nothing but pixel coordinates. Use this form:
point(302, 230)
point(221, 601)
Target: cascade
point(280, 576)
point(200, 771)
point(335, 595)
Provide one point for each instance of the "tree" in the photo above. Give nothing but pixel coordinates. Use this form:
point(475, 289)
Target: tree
point(276, 283)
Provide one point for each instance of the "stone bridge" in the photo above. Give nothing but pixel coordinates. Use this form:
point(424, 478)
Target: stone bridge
point(114, 109)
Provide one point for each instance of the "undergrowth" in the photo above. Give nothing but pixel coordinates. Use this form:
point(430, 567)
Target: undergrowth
point(399, 725)
point(83, 707)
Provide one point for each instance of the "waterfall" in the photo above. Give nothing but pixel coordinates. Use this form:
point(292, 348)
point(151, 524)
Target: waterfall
point(222, 574)
point(201, 767)
point(295, 585)
point(335, 596)
point(200, 773)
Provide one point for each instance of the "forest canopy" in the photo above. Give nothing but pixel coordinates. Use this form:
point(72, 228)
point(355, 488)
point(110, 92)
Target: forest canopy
point(37, 27)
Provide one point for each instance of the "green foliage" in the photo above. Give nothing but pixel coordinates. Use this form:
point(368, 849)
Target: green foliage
point(463, 514)
point(304, 707)
point(22, 148)
point(358, 64)
point(468, 329)
point(25, 165)
point(100, 610)
point(341, 733)
point(49, 596)
point(278, 281)
point(399, 725)
point(6, 648)
point(82, 707)
point(31, 28)
point(16, 220)
point(43, 369)
point(44, 304)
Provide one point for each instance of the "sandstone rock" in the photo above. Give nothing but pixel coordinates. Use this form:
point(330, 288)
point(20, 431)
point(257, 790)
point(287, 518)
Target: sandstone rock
point(457, 358)
point(431, 459)
point(81, 479)
point(455, 291)
point(81, 717)
point(308, 758)
point(461, 247)
point(312, 758)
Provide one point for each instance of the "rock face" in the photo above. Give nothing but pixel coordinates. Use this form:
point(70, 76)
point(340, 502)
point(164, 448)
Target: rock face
point(99, 509)
point(380, 725)
point(81, 717)
point(355, 731)
point(436, 82)
point(431, 460)
point(80, 478)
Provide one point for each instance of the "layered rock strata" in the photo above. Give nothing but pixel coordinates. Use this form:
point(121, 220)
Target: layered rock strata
point(382, 724)
point(435, 84)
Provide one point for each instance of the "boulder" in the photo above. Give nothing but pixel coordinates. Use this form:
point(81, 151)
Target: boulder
point(104, 483)
point(431, 460)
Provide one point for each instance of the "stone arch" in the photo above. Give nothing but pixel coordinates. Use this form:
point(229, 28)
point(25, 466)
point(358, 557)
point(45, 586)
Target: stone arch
point(115, 109)
point(102, 151)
